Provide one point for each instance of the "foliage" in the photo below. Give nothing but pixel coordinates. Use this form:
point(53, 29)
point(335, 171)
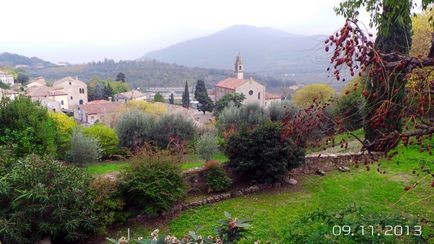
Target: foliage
point(27, 127)
point(307, 95)
point(65, 126)
point(217, 180)
point(22, 78)
point(120, 77)
point(260, 155)
point(171, 99)
point(206, 146)
point(134, 128)
point(231, 98)
point(159, 98)
point(103, 89)
point(84, 149)
point(201, 95)
point(249, 115)
point(106, 138)
point(317, 226)
point(281, 110)
point(150, 108)
point(154, 183)
point(186, 96)
point(173, 129)
point(108, 201)
point(232, 229)
point(40, 198)
point(349, 106)
point(4, 86)
point(421, 33)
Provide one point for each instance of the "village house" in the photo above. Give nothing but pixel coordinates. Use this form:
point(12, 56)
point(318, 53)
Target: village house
point(270, 98)
point(98, 111)
point(251, 89)
point(74, 88)
point(132, 95)
point(55, 100)
point(38, 82)
point(6, 93)
point(6, 78)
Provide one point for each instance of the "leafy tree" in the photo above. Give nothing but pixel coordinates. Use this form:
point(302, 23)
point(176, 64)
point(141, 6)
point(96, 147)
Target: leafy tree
point(106, 138)
point(159, 98)
point(171, 99)
point(249, 116)
point(26, 127)
point(201, 95)
point(173, 129)
point(108, 91)
point(43, 197)
point(150, 108)
point(65, 126)
point(310, 94)
point(134, 128)
point(186, 97)
point(206, 146)
point(262, 155)
point(84, 149)
point(120, 77)
point(422, 30)
point(349, 106)
point(22, 78)
point(278, 111)
point(235, 98)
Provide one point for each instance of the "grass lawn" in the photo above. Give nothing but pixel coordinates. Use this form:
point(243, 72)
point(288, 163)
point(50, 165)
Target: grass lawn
point(271, 212)
point(115, 166)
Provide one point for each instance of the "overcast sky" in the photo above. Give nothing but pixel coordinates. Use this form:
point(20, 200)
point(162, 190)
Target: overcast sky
point(89, 30)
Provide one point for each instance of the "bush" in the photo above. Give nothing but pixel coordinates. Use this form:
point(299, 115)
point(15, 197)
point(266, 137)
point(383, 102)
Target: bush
point(217, 180)
point(173, 128)
point(106, 138)
point(206, 146)
point(249, 115)
point(150, 108)
point(154, 184)
point(134, 128)
point(278, 111)
point(310, 94)
point(40, 198)
point(261, 155)
point(84, 149)
point(26, 127)
point(65, 126)
point(349, 106)
point(108, 201)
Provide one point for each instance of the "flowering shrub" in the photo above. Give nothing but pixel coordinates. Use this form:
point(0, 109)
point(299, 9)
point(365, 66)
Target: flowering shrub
point(231, 230)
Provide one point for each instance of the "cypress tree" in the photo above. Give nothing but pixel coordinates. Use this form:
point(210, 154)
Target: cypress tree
point(201, 95)
point(186, 97)
point(171, 99)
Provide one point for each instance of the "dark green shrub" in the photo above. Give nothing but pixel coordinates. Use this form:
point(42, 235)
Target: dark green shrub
point(84, 149)
point(40, 198)
point(107, 139)
point(281, 110)
point(108, 201)
point(173, 128)
point(217, 180)
point(349, 105)
point(134, 129)
point(26, 127)
point(260, 155)
point(317, 227)
point(154, 184)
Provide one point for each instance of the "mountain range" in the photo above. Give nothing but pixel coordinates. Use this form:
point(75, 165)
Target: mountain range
point(19, 61)
point(264, 50)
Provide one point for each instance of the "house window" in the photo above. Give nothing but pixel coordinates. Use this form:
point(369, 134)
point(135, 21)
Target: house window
point(81, 101)
point(61, 102)
point(251, 92)
point(70, 83)
point(81, 90)
point(91, 117)
point(259, 95)
point(71, 98)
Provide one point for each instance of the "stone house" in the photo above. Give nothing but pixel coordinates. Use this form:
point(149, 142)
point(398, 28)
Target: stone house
point(252, 90)
point(74, 88)
point(124, 97)
point(49, 96)
point(38, 82)
point(98, 111)
point(270, 98)
point(6, 78)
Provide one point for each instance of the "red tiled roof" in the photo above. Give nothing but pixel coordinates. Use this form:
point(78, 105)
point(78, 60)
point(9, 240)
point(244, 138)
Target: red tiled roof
point(270, 96)
point(100, 106)
point(44, 91)
point(231, 83)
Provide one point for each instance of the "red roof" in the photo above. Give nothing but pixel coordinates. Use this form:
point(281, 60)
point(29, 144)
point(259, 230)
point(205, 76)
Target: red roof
point(270, 96)
point(231, 83)
point(101, 107)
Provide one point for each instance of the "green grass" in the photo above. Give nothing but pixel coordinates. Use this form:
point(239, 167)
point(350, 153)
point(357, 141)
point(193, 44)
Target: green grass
point(271, 212)
point(195, 162)
point(105, 167)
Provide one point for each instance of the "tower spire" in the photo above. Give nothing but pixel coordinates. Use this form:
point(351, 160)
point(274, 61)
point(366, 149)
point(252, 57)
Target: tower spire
point(239, 67)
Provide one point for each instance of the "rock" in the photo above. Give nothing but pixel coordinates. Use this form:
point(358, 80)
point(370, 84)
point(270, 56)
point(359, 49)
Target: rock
point(320, 172)
point(291, 181)
point(344, 169)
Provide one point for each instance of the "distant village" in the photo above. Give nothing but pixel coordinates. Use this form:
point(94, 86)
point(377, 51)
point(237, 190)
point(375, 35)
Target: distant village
point(70, 95)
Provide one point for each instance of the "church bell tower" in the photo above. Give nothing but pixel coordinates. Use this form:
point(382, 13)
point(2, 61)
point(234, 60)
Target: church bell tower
point(239, 67)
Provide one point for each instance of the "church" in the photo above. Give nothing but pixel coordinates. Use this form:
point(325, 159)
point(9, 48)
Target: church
point(252, 90)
